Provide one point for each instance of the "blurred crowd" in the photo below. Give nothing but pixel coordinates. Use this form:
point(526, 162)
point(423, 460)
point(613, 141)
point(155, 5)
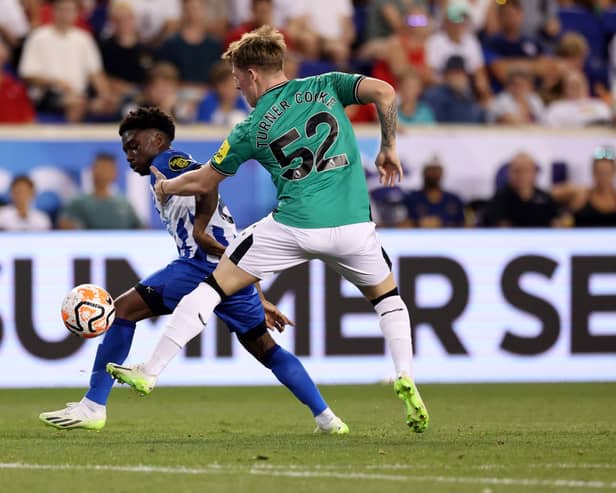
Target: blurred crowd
point(518, 201)
point(98, 206)
point(497, 62)
point(510, 62)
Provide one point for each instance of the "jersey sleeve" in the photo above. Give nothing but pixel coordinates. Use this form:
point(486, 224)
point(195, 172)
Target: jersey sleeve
point(236, 149)
point(173, 163)
point(346, 86)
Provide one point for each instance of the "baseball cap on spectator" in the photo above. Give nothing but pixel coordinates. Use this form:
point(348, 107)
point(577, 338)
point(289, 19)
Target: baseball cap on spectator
point(454, 62)
point(604, 152)
point(457, 12)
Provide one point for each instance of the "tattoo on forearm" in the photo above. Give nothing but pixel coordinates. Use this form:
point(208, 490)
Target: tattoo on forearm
point(388, 117)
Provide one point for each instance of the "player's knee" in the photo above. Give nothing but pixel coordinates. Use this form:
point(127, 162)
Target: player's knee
point(389, 294)
point(390, 307)
point(139, 303)
point(213, 283)
point(127, 309)
point(258, 342)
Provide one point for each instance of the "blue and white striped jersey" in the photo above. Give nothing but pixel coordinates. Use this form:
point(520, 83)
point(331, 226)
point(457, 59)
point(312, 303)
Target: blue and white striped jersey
point(178, 213)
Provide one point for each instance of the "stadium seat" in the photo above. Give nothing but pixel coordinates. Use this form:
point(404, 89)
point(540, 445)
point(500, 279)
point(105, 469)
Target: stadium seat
point(501, 177)
point(61, 182)
point(49, 118)
point(560, 172)
point(48, 202)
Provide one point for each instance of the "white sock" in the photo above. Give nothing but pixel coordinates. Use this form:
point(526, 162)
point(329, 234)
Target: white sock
point(325, 417)
point(95, 407)
point(188, 320)
point(396, 327)
point(166, 349)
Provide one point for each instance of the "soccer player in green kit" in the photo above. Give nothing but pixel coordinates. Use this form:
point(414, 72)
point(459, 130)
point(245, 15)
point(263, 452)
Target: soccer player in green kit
point(300, 134)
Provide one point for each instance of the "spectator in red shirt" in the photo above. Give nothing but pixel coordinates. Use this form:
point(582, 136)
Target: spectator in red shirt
point(15, 106)
point(262, 14)
point(395, 54)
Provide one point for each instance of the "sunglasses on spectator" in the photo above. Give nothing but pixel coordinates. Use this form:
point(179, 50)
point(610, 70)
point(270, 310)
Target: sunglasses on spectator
point(417, 20)
point(604, 153)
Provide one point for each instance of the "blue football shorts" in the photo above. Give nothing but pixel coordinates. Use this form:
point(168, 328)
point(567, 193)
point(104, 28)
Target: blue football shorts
point(164, 289)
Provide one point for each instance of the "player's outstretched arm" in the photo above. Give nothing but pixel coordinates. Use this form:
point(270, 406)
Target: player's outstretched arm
point(197, 182)
point(384, 97)
point(205, 206)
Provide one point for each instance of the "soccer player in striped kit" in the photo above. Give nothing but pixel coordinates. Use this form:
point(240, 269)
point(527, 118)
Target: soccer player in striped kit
point(201, 227)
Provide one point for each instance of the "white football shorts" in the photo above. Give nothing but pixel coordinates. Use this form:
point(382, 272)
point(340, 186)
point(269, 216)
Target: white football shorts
point(354, 251)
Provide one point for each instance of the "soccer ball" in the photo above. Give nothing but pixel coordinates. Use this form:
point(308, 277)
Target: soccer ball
point(88, 310)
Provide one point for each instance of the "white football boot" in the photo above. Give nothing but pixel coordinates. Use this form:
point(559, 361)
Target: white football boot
point(334, 427)
point(74, 416)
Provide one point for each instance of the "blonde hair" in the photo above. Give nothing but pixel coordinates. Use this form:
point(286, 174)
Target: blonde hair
point(119, 5)
point(572, 45)
point(264, 48)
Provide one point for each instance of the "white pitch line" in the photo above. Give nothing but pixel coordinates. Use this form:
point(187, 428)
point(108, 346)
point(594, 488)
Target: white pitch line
point(329, 474)
point(574, 466)
point(208, 469)
point(528, 482)
point(410, 467)
point(297, 472)
point(487, 466)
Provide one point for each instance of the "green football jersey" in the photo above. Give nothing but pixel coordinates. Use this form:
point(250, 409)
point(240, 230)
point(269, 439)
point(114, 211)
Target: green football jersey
point(300, 134)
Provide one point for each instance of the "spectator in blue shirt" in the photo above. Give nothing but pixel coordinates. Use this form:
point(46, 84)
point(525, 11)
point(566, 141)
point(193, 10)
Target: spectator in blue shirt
point(192, 50)
point(223, 104)
point(511, 48)
point(453, 100)
point(433, 207)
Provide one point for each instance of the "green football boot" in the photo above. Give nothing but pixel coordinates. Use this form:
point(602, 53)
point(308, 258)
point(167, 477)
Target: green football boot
point(416, 412)
point(133, 376)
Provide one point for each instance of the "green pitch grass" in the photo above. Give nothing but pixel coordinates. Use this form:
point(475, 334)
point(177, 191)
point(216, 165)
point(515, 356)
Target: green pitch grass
point(482, 439)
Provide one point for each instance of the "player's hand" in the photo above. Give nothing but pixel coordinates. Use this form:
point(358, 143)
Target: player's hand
point(274, 318)
point(389, 167)
point(158, 185)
